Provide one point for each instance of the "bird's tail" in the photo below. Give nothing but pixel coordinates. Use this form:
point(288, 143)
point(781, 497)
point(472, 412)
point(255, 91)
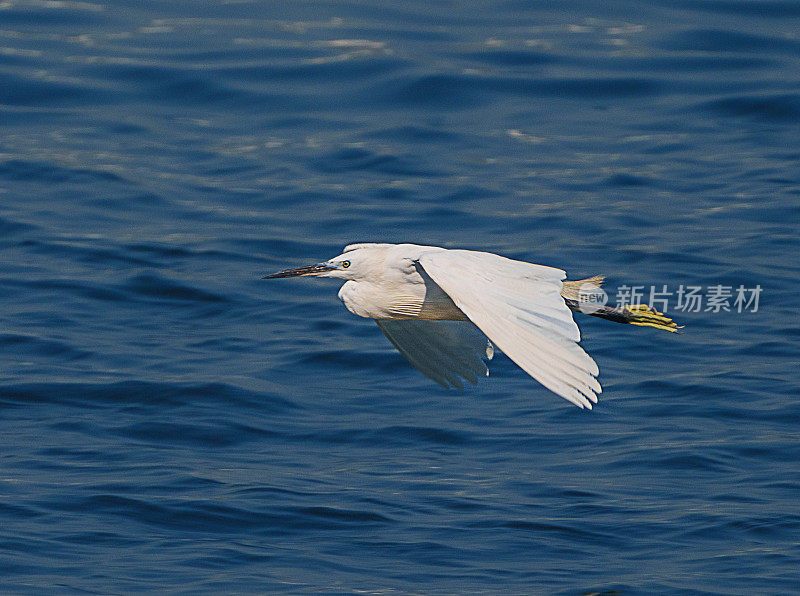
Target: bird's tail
point(631, 314)
point(571, 290)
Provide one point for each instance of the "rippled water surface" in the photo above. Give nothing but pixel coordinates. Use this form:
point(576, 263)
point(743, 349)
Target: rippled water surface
point(170, 422)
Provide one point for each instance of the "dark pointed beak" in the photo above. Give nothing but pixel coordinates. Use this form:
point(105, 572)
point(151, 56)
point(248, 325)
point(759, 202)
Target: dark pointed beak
point(300, 271)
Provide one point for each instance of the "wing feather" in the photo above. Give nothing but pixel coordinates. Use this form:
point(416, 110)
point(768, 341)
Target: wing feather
point(444, 351)
point(519, 307)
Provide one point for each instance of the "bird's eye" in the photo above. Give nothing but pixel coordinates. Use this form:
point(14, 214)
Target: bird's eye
point(345, 264)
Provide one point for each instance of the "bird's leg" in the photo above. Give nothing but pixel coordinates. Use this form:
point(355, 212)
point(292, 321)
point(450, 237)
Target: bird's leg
point(631, 314)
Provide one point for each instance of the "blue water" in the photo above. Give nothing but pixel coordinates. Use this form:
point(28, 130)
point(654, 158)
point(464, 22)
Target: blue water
point(170, 422)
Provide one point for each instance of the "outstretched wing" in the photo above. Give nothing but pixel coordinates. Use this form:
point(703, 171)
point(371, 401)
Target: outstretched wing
point(519, 307)
point(444, 351)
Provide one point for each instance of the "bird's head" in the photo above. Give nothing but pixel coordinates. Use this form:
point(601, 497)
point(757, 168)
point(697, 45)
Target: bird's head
point(353, 264)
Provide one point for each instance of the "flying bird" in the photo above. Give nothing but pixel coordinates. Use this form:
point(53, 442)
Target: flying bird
point(447, 310)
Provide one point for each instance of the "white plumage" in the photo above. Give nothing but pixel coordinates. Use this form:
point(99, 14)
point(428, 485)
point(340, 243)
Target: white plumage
point(439, 306)
point(519, 307)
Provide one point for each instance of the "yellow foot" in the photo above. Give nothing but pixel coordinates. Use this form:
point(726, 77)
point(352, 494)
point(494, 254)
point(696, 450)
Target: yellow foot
point(643, 315)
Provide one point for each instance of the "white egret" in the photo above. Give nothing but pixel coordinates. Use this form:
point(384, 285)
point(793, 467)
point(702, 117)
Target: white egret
point(445, 310)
